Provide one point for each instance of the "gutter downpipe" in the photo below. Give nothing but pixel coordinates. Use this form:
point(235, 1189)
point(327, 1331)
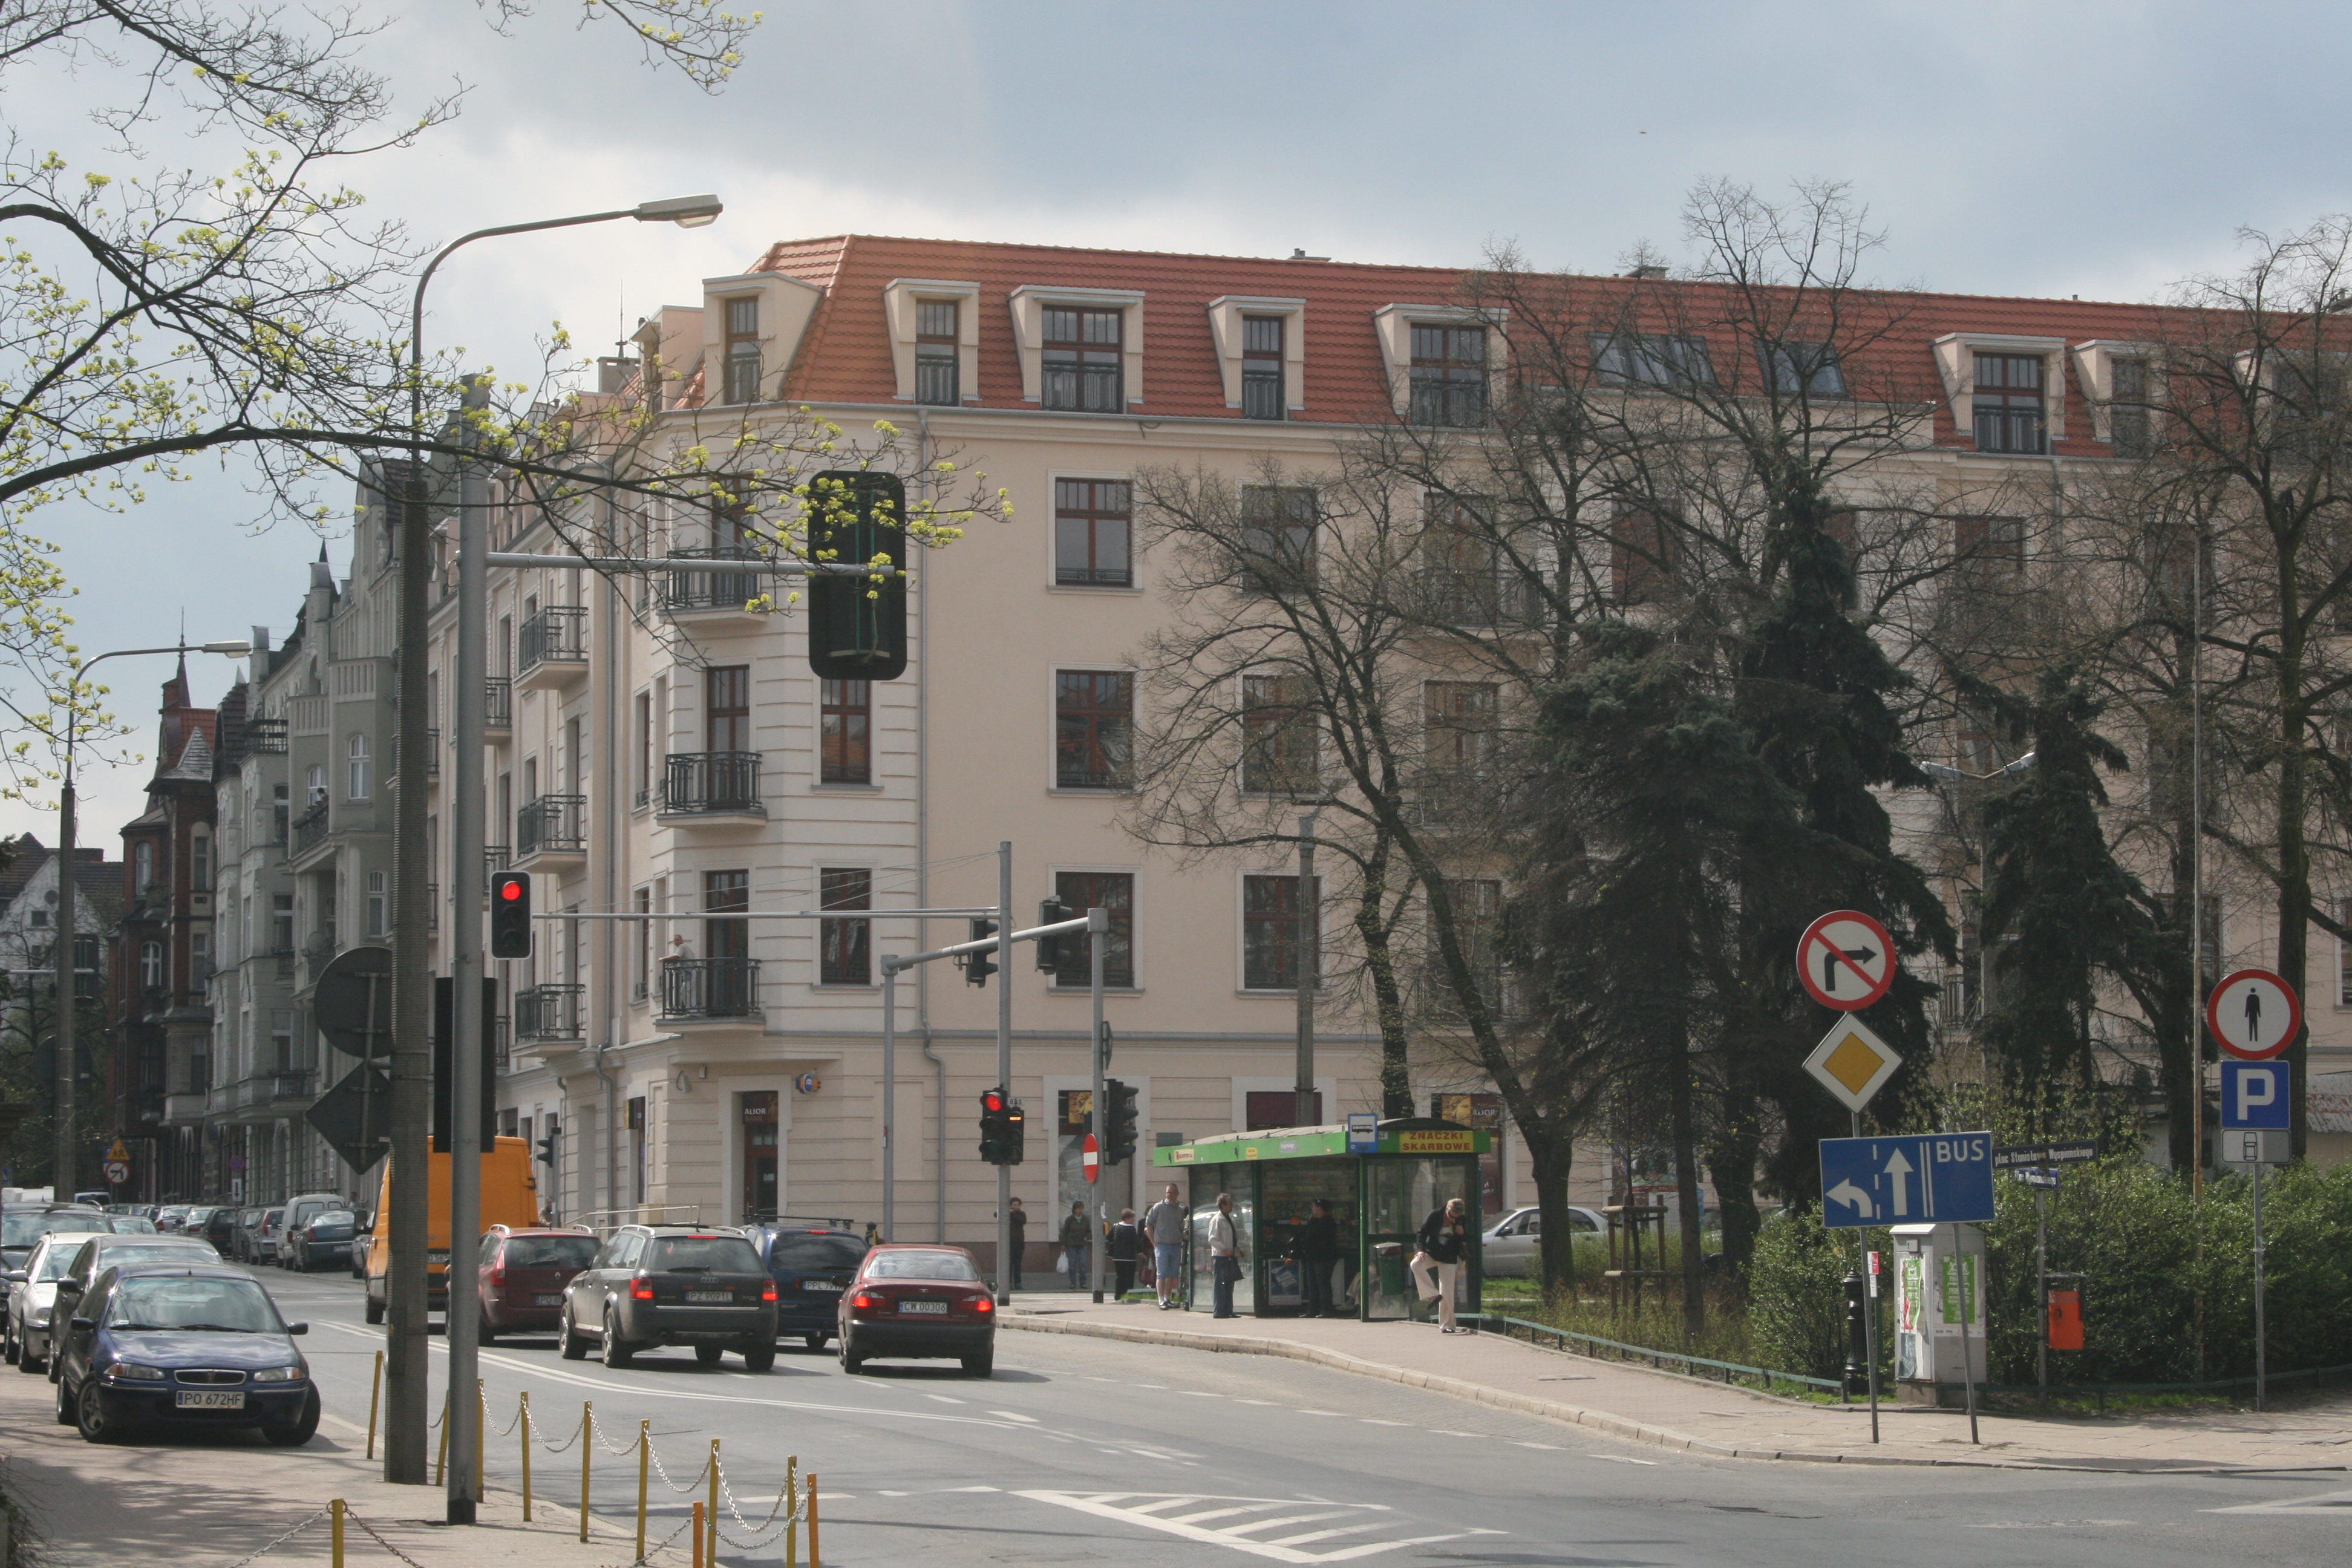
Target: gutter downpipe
point(923, 865)
point(613, 787)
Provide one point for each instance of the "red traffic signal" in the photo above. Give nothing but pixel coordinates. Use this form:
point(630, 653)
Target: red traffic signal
point(510, 914)
point(992, 1101)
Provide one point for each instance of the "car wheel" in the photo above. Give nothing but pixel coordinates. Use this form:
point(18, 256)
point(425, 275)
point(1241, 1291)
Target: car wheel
point(374, 1310)
point(568, 1342)
point(65, 1404)
point(708, 1355)
point(851, 1361)
point(484, 1334)
point(27, 1362)
point(814, 1342)
point(980, 1365)
point(617, 1353)
point(8, 1351)
point(304, 1426)
point(759, 1357)
point(90, 1417)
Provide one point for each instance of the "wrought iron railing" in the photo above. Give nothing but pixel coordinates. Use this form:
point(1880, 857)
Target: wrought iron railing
point(310, 829)
point(553, 824)
point(498, 702)
point(709, 988)
point(717, 589)
point(549, 1012)
point(556, 635)
point(696, 781)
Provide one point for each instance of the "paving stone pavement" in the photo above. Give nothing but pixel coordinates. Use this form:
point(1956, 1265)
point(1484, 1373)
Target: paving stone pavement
point(2310, 1432)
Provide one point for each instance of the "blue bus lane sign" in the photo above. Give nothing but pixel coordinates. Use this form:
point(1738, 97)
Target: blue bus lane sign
point(1926, 1178)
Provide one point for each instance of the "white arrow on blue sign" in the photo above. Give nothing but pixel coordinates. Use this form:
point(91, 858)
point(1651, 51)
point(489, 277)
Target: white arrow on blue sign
point(1908, 1179)
point(2254, 1094)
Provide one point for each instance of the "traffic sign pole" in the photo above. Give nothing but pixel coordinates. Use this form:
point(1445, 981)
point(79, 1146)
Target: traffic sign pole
point(1869, 1308)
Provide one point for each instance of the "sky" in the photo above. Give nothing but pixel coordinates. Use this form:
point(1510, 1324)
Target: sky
point(2098, 150)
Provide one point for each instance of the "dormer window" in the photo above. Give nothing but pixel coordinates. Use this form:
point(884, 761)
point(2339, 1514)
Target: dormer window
point(1082, 354)
point(2009, 412)
point(742, 372)
point(937, 378)
point(1261, 377)
point(1449, 374)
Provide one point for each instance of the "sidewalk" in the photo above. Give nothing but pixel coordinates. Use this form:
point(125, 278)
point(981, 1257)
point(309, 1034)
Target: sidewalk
point(1676, 1412)
point(210, 1502)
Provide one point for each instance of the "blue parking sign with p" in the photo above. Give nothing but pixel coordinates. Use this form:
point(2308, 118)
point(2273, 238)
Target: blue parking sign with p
point(2254, 1094)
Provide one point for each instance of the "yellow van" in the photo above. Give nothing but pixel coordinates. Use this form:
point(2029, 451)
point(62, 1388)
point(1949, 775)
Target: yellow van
point(509, 1197)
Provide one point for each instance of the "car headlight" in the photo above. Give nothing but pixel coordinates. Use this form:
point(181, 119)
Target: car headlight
point(278, 1375)
point(131, 1372)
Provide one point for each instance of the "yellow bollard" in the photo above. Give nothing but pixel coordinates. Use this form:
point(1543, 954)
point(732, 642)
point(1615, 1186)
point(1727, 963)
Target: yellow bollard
point(376, 1394)
point(335, 1512)
point(441, 1455)
point(481, 1432)
point(712, 1555)
point(525, 1419)
point(645, 1454)
point(792, 1510)
point(587, 1444)
point(698, 1533)
point(811, 1486)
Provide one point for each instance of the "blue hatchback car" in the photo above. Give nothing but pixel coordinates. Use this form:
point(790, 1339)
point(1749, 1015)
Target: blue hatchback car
point(156, 1346)
point(812, 1265)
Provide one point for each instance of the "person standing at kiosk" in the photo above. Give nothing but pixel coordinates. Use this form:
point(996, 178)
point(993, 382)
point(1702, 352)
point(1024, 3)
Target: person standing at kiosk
point(1445, 1236)
point(1224, 1256)
point(1164, 1224)
point(1318, 1252)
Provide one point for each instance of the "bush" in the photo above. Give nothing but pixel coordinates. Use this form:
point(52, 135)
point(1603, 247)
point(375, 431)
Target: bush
point(1796, 1294)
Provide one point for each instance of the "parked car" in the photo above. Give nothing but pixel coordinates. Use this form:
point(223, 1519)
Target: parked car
point(32, 1297)
point(132, 1225)
point(300, 1212)
point(919, 1301)
point(220, 1229)
point(812, 1265)
point(21, 1230)
point(326, 1239)
point(521, 1275)
point(270, 1237)
point(240, 1244)
point(654, 1285)
point(171, 1216)
point(97, 1200)
point(362, 1239)
point(100, 1253)
point(1515, 1244)
point(157, 1344)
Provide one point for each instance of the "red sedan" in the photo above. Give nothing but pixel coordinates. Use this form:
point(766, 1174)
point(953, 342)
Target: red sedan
point(522, 1275)
point(919, 1301)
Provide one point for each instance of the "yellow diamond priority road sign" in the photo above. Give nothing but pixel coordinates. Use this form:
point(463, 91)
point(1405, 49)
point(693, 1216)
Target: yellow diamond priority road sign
point(1852, 1063)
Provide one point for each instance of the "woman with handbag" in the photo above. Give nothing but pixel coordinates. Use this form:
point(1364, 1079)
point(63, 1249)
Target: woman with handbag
point(1224, 1256)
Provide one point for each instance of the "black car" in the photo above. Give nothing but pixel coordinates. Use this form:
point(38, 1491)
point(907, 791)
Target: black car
point(812, 1265)
point(326, 1239)
point(161, 1345)
point(220, 1229)
point(655, 1285)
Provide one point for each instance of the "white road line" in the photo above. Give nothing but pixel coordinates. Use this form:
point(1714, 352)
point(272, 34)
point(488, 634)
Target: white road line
point(1612, 1458)
point(1553, 1446)
point(1207, 1514)
point(1322, 1534)
point(1265, 1402)
point(1294, 1518)
point(1376, 1421)
point(1146, 1510)
point(943, 1399)
point(1015, 1415)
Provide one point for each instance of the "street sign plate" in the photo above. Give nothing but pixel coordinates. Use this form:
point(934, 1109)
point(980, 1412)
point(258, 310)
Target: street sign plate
point(2257, 1095)
point(1846, 960)
point(2253, 1014)
point(1090, 1157)
point(2251, 1146)
point(1852, 1063)
point(355, 1116)
point(2073, 1152)
point(2034, 1176)
point(1363, 1132)
point(117, 1171)
point(353, 1002)
point(1907, 1179)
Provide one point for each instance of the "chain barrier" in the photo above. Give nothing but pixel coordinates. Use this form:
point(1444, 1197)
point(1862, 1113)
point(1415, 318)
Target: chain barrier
point(683, 1525)
point(620, 1453)
point(281, 1540)
point(786, 1505)
point(353, 1518)
point(564, 1447)
point(685, 1491)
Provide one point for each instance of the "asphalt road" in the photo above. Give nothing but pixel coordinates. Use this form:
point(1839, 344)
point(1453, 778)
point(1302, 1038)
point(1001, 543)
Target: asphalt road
point(1085, 1451)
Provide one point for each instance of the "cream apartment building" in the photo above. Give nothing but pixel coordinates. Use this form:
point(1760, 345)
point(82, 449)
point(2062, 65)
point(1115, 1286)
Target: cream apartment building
point(658, 748)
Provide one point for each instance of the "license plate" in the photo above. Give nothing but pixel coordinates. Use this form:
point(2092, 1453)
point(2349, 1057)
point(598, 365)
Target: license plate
point(547, 1300)
point(709, 1295)
point(192, 1401)
point(820, 1285)
point(940, 1308)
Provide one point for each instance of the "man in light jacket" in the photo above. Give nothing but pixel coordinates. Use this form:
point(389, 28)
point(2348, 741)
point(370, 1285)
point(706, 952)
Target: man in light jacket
point(1164, 1224)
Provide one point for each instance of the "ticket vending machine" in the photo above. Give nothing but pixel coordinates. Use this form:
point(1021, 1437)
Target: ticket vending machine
point(1939, 1311)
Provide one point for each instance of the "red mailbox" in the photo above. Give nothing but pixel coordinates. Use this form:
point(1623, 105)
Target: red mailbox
point(2065, 1320)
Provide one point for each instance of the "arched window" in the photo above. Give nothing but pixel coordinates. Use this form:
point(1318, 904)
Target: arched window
point(315, 781)
point(142, 868)
point(200, 862)
point(357, 786)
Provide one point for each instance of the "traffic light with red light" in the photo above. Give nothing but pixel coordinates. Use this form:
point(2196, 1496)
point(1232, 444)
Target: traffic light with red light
point(510, 914)
point(1002, 1128)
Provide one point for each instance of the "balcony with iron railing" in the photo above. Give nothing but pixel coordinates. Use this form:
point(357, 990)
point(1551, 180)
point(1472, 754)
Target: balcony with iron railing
point(552, 647)
point(497, 703)
point(712, 787)
point(709, 988)
point(317, 953)
point(311, 829)
point(553, 828)
point(549, 1014)
point(718, 594)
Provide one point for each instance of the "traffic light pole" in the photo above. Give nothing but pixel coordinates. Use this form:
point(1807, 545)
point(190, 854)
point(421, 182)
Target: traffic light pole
point(1004, 1263)
point(1098, 940)
point(890, 1098)
point(461, 1314)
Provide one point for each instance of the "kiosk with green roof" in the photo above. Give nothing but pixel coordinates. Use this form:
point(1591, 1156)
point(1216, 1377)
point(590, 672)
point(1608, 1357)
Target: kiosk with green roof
point(1379, 1197)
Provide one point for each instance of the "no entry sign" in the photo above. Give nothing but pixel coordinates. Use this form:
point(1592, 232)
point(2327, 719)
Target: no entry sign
point(1845, 960)
point(1090, 1157)
point(2253, 1014)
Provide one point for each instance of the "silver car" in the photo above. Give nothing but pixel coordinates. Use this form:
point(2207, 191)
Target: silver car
point(1515, 1245)
point(32, 1301)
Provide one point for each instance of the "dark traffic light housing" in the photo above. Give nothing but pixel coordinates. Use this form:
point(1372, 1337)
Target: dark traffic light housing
point(1051, 912)
point(977, 966)
point(1118, 1144)
point(858, 624)
point(510, 914)
point(1002, 1128)
point(547, 1145)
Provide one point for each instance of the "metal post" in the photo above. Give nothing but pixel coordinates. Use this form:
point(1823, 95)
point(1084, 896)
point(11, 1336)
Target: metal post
point(62, 1130)
point(889, 1096)
point(1004, 1061)
point(1869, 1311)
point(467, 875)
point(1310, 910)
point(1967, 1319)
point(1097, 943)
point(2041, 1287)
point(2262, 1337)
point(587, 1451)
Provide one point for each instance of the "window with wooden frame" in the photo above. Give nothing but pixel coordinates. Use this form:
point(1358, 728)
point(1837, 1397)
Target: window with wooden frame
point(1641, 553)
point(1273, 933)
point(1262, 375)
point(742, 372)
point(1278, 538)
point(937, 377)
point(2130, 424)
point(1080, 367)
point(1477, 903)
point(1470, 583)
point(1094, 729)
point(1651, 359)
point(1448, 378)
point(1113, 892)
point(1459, 732)
point(1279, 736)
point(1094, 533)
point(1807, 370)
point(1992, 546)
point(846, 946)
point(641, 959)
point(727, 707)
point(2008, 400)
point(723, 893)
point(845, 730)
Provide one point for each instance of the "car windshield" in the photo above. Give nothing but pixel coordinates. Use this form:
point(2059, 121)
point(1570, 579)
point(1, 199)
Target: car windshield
point(224, 1306)
point(132, 1224)
point(701, 1255)
point(58, 1259)
point(24, 1229)
point(813, 1251)
point(922, 1266)
point(333, 1218)
point(551, 1251)
point(163, 1249)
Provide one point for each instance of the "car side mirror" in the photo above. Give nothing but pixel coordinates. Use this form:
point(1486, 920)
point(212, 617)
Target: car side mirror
point(69, 1287)
point(297, 1328)
point(82, 1324)
point(17, 1277)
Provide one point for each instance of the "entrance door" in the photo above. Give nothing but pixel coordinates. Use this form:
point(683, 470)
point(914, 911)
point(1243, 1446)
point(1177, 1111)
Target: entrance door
point(759, 1147)
point(1402, 1193)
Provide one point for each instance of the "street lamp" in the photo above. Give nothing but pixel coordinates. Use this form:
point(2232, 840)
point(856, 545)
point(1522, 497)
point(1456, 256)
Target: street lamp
point(64, 926)
point(406, 1362)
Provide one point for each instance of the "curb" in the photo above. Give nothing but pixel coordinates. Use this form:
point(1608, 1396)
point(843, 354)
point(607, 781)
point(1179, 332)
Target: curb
point(1578, 1415)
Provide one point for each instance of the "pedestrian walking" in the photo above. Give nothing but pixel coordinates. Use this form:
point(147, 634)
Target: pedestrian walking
point(1318, 1254)
point(1019, 1219)
point(1444, 1237)
point(1163, 1227)
point(1074, 1246)
point(1126, 1246)
point(1224, 1256)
